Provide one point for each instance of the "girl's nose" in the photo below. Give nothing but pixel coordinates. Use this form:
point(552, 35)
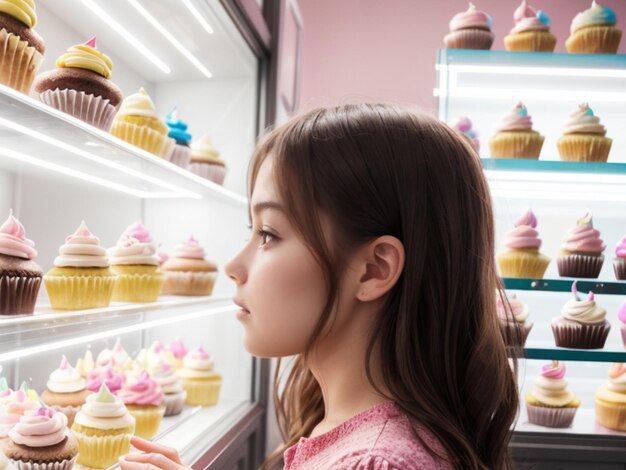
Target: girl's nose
point(235, 270)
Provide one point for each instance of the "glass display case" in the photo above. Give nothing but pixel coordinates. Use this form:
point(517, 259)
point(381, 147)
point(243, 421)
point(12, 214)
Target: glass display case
point(485, 86)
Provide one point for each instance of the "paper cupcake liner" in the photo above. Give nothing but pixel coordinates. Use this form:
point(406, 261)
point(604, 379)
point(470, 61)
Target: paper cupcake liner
point(18, 294)
point(469, 39)
point(594, 40)
point(189, 283)
point(79, 292)
point(61, 465)
point(94, 110)
point(623, 331)
point(584, 148)
point(69, 411)
point(530, 41)
point(144, 137)
point(578, 336)
point(523, 264)
point(515, 334)
point(522, 144)
point(612, 416)
point(181, 156)
point(202, 392)
point(137, 287)
point(215, 173)
point(147, 419)
point(551, 417)
point(19, 62)
point(580, 266)
point(174, 403)
point(619, 266)
point(101, 451)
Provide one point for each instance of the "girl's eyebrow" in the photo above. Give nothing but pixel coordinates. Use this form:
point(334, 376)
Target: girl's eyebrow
point(266, 205)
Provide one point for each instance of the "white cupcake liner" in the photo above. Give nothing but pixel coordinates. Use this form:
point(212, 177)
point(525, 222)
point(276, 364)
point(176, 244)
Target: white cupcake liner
point(189, 283)
point(210, 171)
point(551, 417)
point(94, 110)
point(181, 156)
point(62, 465)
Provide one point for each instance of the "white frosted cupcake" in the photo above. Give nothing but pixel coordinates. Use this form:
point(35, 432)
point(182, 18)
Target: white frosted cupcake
point(187, 272)
point(206, 161)
point(171, 386)
point(200, 380)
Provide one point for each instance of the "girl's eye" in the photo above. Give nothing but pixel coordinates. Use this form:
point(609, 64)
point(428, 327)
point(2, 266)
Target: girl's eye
point(265, 236)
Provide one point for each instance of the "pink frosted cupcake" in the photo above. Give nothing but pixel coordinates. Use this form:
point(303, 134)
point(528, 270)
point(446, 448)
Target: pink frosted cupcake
point(619, 262)
point(584, 137)
point(145, 401)
point(464, 126)
point(470, 29)
point(515, 137)
point(621, 315)
point(582, 324)
point(521, 257)
point(106, 375)
point(531, 32)
point(549, 403)
point(581, 252)
point(515, 326)
point(178, 351)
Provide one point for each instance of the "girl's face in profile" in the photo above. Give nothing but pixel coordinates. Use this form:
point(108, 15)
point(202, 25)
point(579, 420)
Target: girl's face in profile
point(280, 286)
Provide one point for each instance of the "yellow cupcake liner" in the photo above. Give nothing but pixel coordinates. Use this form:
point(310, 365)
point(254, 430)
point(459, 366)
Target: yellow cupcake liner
point(611, 415)
point(528, 264)
point(594, 40)
point(79, 292)
point(189, 283)
point(144, 137)
point(137, 287)
point(147, 419)
point(101, 451)
point(584, 148)
point(530, 41)
point(102, 432)
point(19, 62)
point(202, 392)
point(520, 144)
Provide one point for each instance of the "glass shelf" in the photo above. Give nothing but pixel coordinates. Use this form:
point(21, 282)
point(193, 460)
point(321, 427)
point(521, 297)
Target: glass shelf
point(34, 136)
point(553, 166)
point(565, 285)
point(580, 355)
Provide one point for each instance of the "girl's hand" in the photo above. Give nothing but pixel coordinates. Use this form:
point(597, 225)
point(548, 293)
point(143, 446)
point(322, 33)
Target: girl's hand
point(154, 456)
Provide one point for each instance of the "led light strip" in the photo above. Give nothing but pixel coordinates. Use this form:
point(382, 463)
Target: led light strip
point(501, 175)
point(520, 70)
point(170, 37)
point(119, 29)
point(53, 346)
point(198, 16)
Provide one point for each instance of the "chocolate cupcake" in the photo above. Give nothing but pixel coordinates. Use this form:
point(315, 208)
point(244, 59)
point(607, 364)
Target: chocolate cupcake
point(582, 323)
point(20, 276)
point(581, 252)
point(619, 262)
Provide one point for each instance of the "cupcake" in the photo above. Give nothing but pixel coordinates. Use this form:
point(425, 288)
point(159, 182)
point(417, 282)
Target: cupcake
point(178, 351)
point(470, 29)
point(611, 399)
point(521, 257)
point(531, 32)
point(85, 364)
point(593, 32)
point(515, 326)
point(65, 391)
point(135, 263)
point(103, 428)
point(181, 155)
point(582, 324)
point(200, 381)
point(581, 252)
point(172, 387)
point(515, 137)
point(104, 375)
point(464, 126)
point(621, 315)
point(81, 277)
point(549, 403)
point(20, 276)
point(41, 441)
point(117, 358)
point(21, 48)
point(619, 262)
point(187, 272)
point(137, 123)
point(206, 161)
point(584, 138)
point(13, 408)
point(145, 401)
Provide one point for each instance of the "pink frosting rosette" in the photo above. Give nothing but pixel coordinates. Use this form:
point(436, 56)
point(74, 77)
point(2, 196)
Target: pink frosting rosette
point(620, 249)
point(528, 19)
point(524, 235)
point(555, 370)
point(583, 238)
point(142, 390)
point(106, 375)
point(471, 18)
point(621, 313)
point(517, 120)
point(13, 241)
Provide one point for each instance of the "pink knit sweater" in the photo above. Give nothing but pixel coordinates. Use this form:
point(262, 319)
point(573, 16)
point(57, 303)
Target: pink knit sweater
point(376, 439)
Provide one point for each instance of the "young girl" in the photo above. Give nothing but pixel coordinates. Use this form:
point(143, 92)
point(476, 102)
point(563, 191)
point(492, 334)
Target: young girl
point(372, 261)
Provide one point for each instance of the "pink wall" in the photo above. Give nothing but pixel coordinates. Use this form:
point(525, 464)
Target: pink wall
point(386, 49)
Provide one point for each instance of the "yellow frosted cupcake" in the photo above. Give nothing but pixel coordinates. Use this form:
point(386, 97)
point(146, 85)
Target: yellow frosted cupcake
point(584, 138)
point(521, 257)
point(145, 401)
point(593, 31)
point(611, 400)
point(137, 123)
point(515, 137)
point(187, 272)
point(136, 265)
point(531, 31)
point(81, 277)
point(103, 428)
point(200, 381)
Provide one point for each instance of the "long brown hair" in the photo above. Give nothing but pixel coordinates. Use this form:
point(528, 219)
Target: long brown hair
point(377, 169)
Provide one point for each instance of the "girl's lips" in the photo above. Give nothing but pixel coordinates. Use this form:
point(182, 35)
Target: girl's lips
point(242, 314)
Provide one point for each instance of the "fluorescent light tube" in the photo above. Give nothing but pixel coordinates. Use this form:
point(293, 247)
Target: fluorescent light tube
point(198, 16)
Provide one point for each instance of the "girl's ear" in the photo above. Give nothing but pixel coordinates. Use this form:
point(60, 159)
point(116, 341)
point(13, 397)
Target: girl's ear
point(381, 263)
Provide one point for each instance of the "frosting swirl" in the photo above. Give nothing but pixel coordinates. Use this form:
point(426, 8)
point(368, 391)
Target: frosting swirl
point(190, 249)
point(117, 358)
point(141, 390)
point(177, 348)
point(583, 311)
point(107, 376)
point(82, 250)
point(517, 120)
point(20, 402)
point(464, 126)
point(104, 411)
point(197, 363)
point(524, 235)
point(620, 249)
point(583, 121)
point(178, 128)
point(140, 104)
point(13, 241)
point(164, 375)
point(202, 150)
point(528, 19)
point(85, 56)
point(596, 15)
point(550, 387)
point(40, 428)
point(65, 379)
point(472, 18)
point(519, 308)
point(617, 378)
point(22, 10)
point(129, 250)
point(583, 238)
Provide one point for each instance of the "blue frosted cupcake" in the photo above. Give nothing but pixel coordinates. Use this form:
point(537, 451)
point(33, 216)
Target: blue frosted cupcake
point(181, 155)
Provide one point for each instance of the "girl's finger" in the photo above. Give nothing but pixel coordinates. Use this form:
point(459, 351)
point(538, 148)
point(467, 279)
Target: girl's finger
point(148, 446)
point(126, 465)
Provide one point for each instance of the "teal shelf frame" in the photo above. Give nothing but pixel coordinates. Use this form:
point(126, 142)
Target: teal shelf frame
point(565, 285)
point(554, 166)
point(580, 355)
